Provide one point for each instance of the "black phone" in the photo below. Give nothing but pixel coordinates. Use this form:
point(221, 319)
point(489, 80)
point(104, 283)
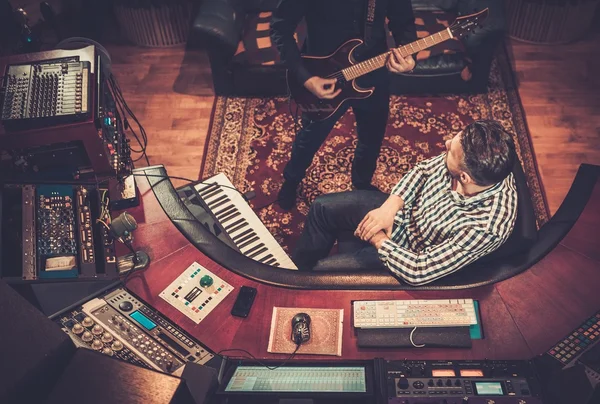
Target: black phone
point(243, 302)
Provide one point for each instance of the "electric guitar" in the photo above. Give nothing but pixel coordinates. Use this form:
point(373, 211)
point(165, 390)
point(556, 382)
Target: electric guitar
point(342, 66)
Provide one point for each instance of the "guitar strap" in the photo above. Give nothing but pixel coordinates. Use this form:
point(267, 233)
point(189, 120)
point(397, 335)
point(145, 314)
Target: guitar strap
point(369, 21)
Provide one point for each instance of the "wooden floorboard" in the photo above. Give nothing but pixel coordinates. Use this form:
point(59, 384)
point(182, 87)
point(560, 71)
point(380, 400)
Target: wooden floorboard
point(170, 90)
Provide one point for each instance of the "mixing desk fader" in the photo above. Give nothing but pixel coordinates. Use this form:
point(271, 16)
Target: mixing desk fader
point(121, 325)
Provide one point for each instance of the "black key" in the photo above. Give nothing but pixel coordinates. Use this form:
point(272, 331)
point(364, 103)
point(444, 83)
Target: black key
point(242, 234)
point(242, 223)
point(247, 243)
point(212, 193)
point(228, 228)
point(266, 257)
point(219, 199)
point(232, 216)
point(225, 211)
point(272, 262)
point(253, 249)
point(227, 206)
point(246, 237)
point(208, 188)
point(262, 250)
point(275, 264)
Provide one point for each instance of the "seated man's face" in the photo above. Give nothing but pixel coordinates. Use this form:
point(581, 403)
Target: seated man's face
point(454, 156)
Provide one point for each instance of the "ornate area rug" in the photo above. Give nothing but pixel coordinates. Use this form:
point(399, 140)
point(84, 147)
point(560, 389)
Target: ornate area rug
point(250, 141)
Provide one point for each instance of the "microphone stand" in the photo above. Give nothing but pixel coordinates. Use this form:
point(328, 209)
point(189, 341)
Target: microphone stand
point(135, 261)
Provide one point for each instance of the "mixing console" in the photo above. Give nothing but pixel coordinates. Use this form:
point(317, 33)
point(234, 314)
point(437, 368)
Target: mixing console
point(45, 90)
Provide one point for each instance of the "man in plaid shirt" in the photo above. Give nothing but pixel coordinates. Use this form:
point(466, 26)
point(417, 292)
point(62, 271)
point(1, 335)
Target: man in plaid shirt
point(445, 213)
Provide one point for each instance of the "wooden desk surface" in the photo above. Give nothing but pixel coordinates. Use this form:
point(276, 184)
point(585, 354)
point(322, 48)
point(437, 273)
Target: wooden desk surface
point(522, 316)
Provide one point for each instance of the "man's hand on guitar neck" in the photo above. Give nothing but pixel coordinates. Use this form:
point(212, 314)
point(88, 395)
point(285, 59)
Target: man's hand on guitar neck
point(322, 88)
point(398, 64)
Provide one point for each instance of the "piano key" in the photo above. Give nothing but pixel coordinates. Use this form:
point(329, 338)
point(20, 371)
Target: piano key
point(257, 253)
point(237, 239)
point(270, 262)
point(213, 205)
point(231, 216)
point(206, 187)
point(234, 226)
point(225, 208)
point(247, 235)
point(247, 243)
point(265, 258)
point(255, 247)
point(226, 211)
point(218, 190)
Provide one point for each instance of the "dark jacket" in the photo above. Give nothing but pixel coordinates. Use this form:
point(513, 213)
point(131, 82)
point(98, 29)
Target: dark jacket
point(330, 23)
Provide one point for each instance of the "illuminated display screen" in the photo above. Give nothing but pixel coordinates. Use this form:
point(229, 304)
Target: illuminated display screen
point(488, 388)
point(471, 373)
point(143, 320)
point(443, 373)
point(298, 379)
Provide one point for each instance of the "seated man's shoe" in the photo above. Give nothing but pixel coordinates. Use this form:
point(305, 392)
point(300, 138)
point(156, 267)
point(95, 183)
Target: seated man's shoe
point(366, 187)
point(287, 195)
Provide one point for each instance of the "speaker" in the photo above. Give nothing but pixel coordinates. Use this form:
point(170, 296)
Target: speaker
point(95, 378)
point(201, 381)
point(33, 350)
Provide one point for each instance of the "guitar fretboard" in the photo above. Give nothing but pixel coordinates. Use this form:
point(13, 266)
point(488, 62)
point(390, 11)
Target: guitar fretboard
point(369, 65)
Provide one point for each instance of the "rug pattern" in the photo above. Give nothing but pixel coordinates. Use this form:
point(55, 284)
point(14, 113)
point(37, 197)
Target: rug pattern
point(250, 140)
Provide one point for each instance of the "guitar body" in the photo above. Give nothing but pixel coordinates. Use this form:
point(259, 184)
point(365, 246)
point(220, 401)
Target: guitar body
point(318, 109)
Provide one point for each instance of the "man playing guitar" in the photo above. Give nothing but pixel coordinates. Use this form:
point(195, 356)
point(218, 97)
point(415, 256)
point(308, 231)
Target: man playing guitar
point(329, 24)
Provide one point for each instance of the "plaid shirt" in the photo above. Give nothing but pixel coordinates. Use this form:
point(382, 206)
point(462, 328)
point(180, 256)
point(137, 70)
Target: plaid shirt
point(439, 230)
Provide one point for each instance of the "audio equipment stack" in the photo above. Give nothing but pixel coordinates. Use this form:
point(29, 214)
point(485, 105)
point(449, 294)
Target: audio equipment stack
point(121, 325)
point(51, 231)
point(60, 119)
point(462, 382)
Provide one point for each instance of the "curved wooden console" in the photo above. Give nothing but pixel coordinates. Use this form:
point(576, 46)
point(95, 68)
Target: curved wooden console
point(522, 316)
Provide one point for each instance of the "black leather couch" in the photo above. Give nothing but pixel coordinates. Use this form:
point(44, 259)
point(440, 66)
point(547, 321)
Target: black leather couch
point(503, 264)
point(245, 63)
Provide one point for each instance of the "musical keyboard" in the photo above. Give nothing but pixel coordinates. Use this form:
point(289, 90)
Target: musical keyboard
point(245, 230)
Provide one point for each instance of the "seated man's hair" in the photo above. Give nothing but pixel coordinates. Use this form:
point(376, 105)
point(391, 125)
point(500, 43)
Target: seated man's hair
point(489, 152)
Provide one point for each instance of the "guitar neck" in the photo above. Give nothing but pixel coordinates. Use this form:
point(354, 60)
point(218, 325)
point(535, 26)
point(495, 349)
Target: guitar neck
point(377, 62)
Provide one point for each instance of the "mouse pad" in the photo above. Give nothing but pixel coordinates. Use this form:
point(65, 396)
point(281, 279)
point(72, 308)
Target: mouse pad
point(325, 331)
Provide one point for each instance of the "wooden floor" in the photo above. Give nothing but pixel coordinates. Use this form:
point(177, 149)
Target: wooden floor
point(171, 93)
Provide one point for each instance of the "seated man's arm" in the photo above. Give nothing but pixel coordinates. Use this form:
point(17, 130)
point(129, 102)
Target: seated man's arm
point(403, 194)
point(419, 268)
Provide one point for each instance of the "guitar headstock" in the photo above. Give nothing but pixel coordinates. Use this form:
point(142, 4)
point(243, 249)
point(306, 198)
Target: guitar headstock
point(467, 23)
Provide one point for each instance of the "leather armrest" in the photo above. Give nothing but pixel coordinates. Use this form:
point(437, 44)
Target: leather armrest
point(222, 22)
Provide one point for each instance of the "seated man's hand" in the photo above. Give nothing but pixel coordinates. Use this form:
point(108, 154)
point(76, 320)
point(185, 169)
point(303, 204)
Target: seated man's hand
point(378, 239)
point(380, 219)
point(322, 88)
point(398, 64)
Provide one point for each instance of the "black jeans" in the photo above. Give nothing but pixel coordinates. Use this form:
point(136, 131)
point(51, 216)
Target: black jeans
point(371, 120)
point(335, 217)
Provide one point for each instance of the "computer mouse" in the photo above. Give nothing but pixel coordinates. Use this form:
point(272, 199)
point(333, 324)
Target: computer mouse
point(301, 328)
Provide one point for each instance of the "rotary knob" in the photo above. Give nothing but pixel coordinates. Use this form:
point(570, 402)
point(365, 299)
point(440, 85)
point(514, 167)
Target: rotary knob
point(77, 329)
point(108, 351)
point(126, 305)
point(206, 281)
point(97, 330)
point(97, 345)
point(403, 383)
point(88, 322)
point(106, 337)
point(87, 336)
point(117, 346)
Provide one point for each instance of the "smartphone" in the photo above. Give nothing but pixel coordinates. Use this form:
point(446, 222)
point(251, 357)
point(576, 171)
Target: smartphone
point(244, 301)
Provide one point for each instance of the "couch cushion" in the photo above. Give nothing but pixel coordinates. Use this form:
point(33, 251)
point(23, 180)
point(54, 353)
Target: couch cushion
point(256, 47)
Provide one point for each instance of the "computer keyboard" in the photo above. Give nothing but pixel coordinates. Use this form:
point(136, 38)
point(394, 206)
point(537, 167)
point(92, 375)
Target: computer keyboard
point(414, 313)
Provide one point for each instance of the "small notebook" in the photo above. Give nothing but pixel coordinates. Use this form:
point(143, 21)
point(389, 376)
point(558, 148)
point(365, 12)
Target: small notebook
point(326, 327)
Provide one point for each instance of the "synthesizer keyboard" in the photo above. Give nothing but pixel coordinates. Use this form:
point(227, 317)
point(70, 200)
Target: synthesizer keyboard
point(414, 313)
point(246, 231)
